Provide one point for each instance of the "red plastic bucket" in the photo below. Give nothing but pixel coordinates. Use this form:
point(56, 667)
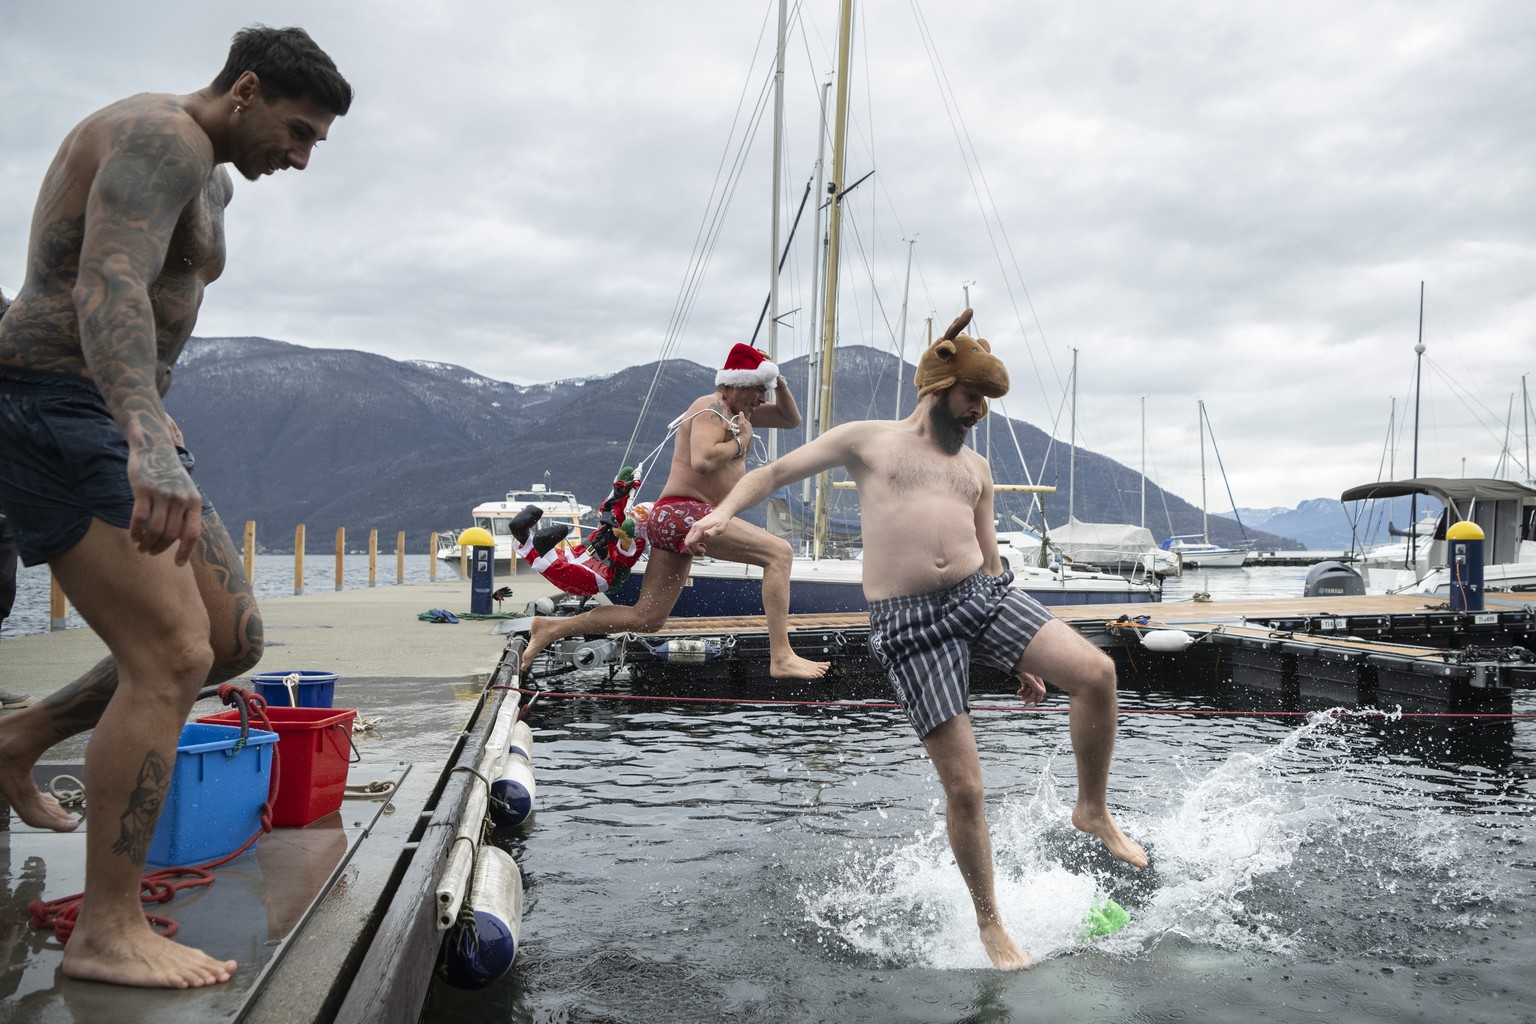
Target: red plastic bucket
point(314, 747)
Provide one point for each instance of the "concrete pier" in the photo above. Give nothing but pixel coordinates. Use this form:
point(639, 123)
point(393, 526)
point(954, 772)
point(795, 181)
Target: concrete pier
point(370, 633)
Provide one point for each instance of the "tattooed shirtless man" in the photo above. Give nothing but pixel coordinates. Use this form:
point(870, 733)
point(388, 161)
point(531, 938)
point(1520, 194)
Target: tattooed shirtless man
point(128, 231)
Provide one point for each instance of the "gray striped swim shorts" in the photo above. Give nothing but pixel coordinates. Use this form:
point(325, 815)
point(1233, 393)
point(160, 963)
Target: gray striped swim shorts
point(925, 642)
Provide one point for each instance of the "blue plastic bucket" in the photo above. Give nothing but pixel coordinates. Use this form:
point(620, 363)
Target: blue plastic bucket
point(313, 688)
point(214, 801)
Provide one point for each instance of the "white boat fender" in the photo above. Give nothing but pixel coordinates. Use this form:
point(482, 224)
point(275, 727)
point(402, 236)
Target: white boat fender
point(1166, 640)
point(483, 943)
point(513, 791)
point(455, 878)
point(681, 651)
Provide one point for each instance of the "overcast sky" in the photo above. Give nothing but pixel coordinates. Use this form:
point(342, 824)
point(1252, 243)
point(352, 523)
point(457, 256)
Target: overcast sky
point(1228, 201)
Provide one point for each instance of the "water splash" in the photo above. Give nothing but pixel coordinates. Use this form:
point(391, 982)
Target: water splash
point(1238, 851)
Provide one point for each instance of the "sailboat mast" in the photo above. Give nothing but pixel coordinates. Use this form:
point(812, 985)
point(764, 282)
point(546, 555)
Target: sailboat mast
point(901, 345)
point(1525, 397)
point(1072, 450)
point(773, 245)
point(1205, 533)
point(1143, 523)
point(834, 240)
point(813, 373)
point(1418, 386)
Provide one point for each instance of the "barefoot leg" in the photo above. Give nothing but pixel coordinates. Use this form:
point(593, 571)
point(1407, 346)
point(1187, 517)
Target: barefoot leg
point(664, 577)
point(952, 748)
point(743, 542)
point(151, 616)
point(1059, 654)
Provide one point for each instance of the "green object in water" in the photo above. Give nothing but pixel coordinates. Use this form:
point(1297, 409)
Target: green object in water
point(1107, 920)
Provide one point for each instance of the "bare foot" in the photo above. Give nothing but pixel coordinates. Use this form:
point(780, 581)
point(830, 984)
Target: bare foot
point(795, 667)
point(145, 959)
point(1004, 952)
point(538, 639)
point(1102, 825)
point(36, 808)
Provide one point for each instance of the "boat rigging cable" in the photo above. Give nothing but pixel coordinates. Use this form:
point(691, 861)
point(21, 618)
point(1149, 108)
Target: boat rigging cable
point(985, 201)
point(727, 177)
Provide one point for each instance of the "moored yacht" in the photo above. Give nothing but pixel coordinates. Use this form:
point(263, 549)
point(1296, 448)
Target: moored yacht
point(496, 518)
point(1504, 510)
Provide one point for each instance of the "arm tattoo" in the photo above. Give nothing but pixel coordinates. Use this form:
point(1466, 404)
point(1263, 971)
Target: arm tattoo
point(137, 200)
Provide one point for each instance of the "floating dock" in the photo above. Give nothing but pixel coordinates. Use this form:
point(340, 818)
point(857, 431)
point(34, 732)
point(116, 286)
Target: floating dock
point(335, 921)
point(1367, 651)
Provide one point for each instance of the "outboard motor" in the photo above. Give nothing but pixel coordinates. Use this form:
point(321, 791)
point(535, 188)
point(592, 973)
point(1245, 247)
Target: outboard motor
point(1334, 579)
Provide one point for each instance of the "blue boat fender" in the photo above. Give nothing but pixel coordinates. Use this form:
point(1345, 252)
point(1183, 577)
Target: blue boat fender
point(483, 943)
point(513, 791)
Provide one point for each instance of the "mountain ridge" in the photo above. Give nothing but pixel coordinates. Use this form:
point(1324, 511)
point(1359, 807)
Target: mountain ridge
point(286, 434)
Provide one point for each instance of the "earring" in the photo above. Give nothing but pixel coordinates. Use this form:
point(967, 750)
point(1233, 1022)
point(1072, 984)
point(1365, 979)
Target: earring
point(239, 109)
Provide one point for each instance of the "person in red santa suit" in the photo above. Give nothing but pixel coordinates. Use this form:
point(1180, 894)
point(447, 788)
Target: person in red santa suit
point(708, 458)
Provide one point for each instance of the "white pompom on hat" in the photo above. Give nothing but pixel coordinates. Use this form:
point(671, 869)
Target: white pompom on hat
point(747, 367)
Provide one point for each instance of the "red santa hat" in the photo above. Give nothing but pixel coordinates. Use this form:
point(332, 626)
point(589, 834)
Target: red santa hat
point(747, 367)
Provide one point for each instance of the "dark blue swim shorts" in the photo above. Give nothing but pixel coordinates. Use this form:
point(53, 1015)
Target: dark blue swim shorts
point(63, 461)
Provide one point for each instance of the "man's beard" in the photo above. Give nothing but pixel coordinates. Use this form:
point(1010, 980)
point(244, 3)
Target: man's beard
point(949, 430)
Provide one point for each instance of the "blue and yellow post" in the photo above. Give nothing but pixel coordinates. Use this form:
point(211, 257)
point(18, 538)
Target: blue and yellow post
point(482, 568)
point(1464, 555)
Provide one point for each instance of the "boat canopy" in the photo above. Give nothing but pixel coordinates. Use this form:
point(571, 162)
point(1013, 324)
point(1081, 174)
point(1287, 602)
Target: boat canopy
point(1503, 509)
point(1451, 490)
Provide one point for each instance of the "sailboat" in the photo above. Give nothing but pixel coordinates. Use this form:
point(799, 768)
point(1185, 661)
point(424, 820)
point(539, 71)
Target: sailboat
point(821, 584)
point(1196, 550)
point(1114, 547)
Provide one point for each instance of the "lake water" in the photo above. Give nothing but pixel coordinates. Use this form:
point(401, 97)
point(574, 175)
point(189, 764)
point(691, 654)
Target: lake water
point(698, 862)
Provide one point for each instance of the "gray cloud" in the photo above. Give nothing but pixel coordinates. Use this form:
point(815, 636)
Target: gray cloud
point(1234, 202)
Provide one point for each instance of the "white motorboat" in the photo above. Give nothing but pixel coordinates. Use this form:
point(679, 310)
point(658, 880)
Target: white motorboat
point(496, 518)
point(1197, 553)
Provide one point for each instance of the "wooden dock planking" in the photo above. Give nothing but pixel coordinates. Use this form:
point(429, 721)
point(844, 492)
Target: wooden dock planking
point(1195, 612)
point(759, 624)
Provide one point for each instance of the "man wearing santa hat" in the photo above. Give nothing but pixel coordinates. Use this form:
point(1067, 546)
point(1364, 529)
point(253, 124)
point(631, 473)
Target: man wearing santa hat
point(709, 457)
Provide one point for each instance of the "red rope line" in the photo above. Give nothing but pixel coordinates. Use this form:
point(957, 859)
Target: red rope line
point(163, 884)
point(887, 705)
